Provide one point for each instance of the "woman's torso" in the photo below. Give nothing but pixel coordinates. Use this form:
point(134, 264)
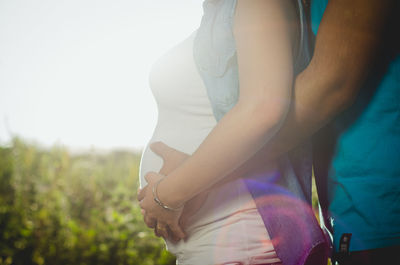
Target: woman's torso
point(185, 118)
point(184, 114)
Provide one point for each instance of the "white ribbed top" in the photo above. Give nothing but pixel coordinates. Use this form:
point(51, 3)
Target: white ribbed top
point(185, 117)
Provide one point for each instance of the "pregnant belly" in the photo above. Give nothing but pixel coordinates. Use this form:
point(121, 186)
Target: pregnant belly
point(184, 139)
point(224, 212)
point(149, 162)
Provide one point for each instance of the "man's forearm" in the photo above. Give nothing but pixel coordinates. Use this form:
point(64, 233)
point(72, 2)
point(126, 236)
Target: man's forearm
point(348, 40)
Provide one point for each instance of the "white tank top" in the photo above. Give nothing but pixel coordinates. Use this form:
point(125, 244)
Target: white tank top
point(185, 116)
point(228, 224)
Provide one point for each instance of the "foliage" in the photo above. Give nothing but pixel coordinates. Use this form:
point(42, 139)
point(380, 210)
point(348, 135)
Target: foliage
point(62, 208)
point(81, 209)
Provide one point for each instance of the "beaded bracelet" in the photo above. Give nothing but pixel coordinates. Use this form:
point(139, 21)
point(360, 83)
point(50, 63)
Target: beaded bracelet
point(159, 202)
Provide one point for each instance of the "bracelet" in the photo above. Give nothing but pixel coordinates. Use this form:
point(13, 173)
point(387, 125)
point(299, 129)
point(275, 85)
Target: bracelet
point(159, 202)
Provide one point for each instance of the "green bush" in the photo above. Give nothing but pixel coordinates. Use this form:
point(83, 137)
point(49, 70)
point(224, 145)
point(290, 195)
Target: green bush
point(81, 209)
point(60, 208)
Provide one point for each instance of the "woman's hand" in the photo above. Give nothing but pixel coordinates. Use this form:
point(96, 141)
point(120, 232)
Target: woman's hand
point(171, 157)
point(162, 220)
point(190, 208)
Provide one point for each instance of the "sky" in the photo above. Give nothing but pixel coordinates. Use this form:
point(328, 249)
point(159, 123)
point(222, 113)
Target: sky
point(75, 73)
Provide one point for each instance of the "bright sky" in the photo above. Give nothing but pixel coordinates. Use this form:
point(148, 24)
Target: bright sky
point(76, 72)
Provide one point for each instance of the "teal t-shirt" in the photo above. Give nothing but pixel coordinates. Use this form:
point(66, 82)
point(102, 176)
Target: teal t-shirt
point(364, 177)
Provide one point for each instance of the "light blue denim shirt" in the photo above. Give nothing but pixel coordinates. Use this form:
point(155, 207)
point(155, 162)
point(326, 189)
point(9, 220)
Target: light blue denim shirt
point(283, 198)
point(215, 55)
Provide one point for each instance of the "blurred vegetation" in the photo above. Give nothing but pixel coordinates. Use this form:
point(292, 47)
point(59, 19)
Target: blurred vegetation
point(62, 208)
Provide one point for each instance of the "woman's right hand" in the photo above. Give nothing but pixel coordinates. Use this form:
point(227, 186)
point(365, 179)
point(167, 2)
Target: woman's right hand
point(172, 159)
point(155, 214)
point(189, 209)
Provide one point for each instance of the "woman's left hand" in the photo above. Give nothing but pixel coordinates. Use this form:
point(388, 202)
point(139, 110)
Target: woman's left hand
point(162, 220)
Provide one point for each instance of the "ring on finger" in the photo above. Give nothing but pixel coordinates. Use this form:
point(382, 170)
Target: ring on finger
point(161, 230)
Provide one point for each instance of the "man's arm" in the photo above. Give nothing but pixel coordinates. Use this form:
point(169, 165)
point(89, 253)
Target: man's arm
point(348, 40)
